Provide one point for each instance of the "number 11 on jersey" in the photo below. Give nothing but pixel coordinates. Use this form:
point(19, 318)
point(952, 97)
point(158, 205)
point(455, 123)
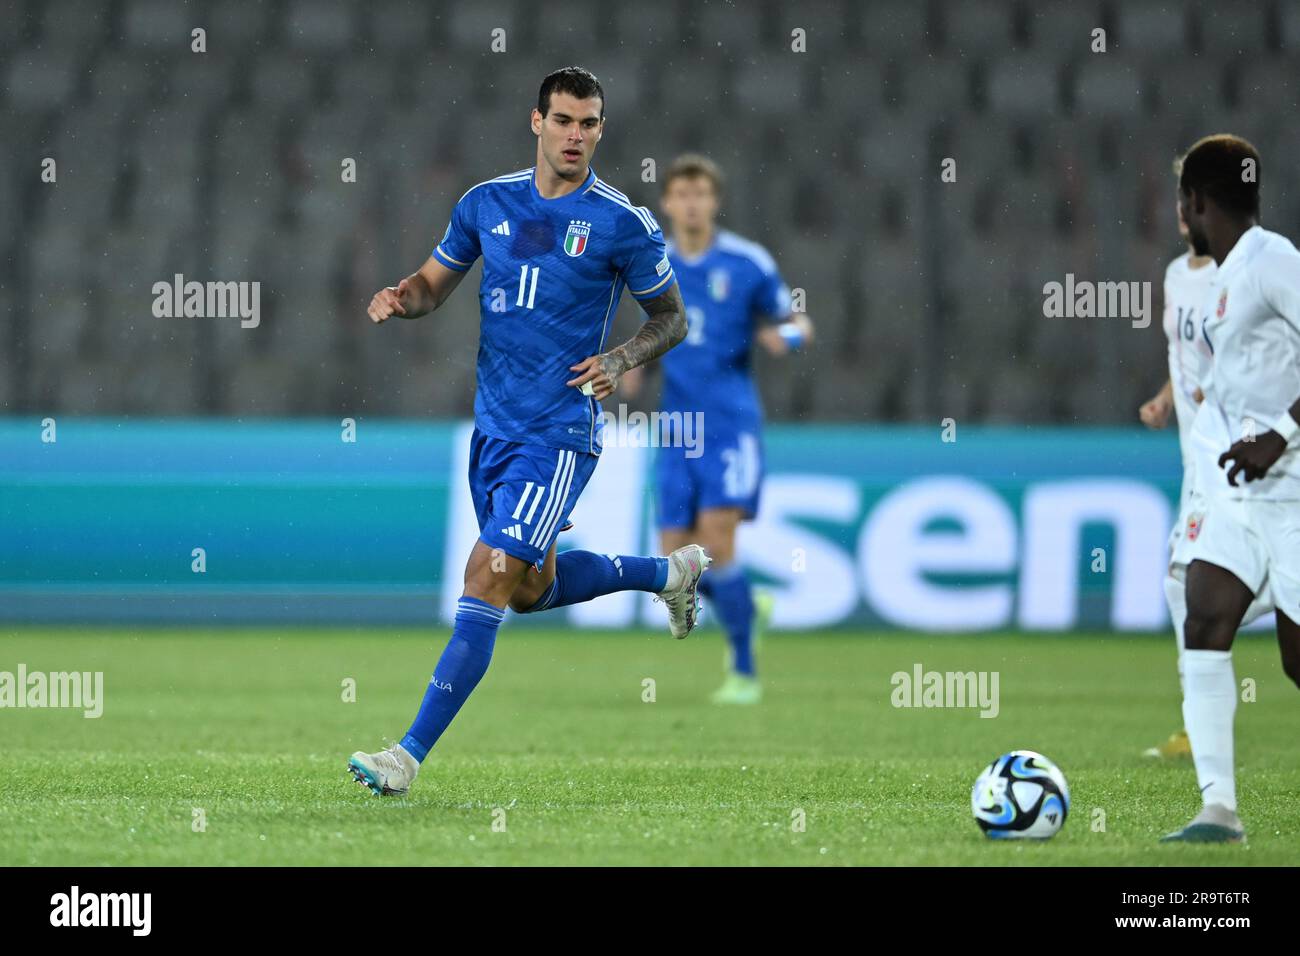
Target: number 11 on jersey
point(525, 284)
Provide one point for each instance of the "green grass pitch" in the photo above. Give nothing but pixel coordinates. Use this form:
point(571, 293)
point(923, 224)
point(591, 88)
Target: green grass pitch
point(558, 749)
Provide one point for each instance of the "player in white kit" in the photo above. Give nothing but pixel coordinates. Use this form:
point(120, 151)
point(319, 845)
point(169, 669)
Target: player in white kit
point(1187, 281)
point(1244, 538)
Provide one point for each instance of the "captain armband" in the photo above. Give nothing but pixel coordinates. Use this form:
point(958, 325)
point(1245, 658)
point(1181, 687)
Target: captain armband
point(792, 334)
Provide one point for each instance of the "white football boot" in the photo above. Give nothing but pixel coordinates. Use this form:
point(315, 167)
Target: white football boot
point(1214, 824)
point(685, 565)
point(388, 773)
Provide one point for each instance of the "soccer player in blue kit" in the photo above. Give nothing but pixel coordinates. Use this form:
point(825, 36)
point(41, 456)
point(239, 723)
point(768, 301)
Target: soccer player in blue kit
point(734, 296)
point(558, 246)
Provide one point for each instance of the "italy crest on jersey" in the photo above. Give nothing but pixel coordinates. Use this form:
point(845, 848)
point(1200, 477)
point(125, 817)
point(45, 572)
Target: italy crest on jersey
point(1223, 304)
point(719, 283)
point(575, 240)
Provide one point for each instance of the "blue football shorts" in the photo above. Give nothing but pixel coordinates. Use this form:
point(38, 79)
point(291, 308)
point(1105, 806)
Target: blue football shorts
point(727, 474)
point(523, 493)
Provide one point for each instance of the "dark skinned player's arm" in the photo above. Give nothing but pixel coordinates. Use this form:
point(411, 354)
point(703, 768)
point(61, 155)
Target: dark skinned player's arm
point(1252, 457)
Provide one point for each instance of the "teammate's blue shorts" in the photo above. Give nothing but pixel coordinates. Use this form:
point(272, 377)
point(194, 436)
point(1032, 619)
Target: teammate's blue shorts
point(727, 474)
point(523, 494)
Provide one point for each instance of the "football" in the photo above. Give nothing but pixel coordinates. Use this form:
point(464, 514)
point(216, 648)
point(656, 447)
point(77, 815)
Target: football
point(1021, 795)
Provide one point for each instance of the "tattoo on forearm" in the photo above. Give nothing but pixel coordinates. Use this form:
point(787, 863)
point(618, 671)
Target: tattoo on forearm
point(664, 329)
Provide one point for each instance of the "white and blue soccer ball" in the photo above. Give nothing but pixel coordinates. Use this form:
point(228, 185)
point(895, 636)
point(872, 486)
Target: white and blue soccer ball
point(1021, 795)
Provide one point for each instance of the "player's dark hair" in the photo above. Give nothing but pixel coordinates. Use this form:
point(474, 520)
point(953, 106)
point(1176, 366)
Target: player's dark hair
point(1217, 167)
point(574, 80)
point(690, 166)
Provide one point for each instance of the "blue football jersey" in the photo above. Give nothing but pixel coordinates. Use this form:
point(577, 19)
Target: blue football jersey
point(553, 273)
point(726, 289)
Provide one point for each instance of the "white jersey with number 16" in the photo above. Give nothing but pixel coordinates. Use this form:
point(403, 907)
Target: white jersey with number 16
point(1185, 291)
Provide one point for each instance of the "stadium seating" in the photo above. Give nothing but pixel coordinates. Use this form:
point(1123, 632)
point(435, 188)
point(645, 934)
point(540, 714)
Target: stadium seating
point(226, 164)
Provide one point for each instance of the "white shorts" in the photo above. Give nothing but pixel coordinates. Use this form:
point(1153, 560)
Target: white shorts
point(1258, 541)
point(1186, 497)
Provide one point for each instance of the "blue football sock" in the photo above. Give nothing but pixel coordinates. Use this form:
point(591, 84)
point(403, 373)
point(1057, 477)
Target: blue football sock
point(729, 592)
point(583, 575)
point(461, 666)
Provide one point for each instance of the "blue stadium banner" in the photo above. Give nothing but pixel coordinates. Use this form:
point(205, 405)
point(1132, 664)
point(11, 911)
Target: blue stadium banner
point(220, 521)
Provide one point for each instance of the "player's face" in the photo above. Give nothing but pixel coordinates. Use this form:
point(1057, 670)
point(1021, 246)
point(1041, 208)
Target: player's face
point(568, 134)
point(691, 203)
point(1195, 223)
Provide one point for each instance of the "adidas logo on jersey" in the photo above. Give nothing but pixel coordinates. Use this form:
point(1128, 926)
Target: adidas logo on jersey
point(514, 531)
point(502, 228)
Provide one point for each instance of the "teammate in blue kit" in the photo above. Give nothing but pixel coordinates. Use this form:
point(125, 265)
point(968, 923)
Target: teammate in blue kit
point(734, 295)
point(558, 246)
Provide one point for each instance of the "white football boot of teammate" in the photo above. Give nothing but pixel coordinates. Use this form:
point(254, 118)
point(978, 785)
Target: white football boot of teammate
point(388, 773)
point(681, 593)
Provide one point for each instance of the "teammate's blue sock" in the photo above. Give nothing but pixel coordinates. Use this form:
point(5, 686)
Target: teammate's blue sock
point(583, 575)
point(729, 591)
point(461, 666)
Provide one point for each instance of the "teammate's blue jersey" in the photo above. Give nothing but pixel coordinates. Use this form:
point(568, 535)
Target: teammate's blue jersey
point(726, 289)
point(553, 272)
